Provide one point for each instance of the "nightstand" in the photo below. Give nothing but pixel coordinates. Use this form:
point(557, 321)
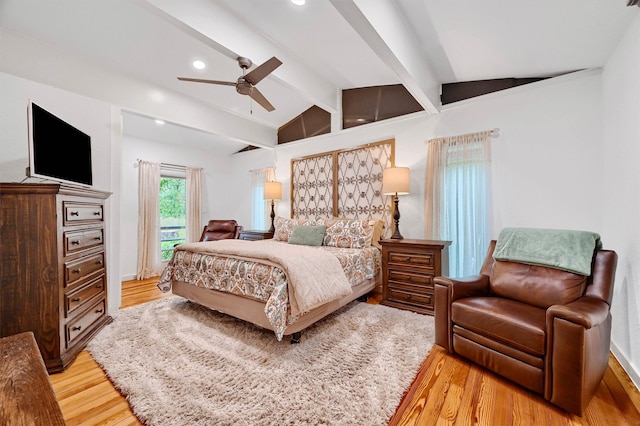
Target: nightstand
point(408, 269)
point(253, 235)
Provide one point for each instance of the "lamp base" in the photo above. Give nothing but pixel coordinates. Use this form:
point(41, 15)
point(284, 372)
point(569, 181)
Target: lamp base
point(396, 235)
point(396, 219)
point(273, 215)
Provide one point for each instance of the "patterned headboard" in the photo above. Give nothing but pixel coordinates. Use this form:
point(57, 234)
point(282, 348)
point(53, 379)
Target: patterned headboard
point(344, 183)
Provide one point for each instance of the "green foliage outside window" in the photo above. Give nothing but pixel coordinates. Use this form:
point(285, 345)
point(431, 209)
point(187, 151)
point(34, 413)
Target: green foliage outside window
point(173, 214)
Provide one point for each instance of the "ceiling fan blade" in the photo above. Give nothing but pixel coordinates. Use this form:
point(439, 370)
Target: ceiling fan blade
point(259, 98)
point(199, 80)
point(263, 70)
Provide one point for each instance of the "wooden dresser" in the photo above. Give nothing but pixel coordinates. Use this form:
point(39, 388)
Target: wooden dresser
point(254, 235)
point(408, 269)
point(53, 278)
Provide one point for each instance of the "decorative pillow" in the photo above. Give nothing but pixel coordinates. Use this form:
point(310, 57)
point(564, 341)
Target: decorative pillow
point(284, 227)
point(307, 235)
point(378, 232)
point(348, 233)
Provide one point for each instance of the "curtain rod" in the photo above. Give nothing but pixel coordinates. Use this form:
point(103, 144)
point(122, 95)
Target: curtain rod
point(494, 133)
point(166, 165)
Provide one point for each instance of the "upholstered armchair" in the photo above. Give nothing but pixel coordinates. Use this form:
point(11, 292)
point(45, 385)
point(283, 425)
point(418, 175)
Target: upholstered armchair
point(221, 230)
point(544, 328)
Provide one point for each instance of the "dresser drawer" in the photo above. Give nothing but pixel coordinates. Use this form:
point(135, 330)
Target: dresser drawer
point(76, 300)
point(83, 268)
point(406, 297)
point(82, 212)
point(409, 258)
point(81, 325)
point(81, 240)
point(411, 277)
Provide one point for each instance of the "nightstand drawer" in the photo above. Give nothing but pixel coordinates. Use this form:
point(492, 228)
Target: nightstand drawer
point(421, 300)
point(422, 260)
point(411, 277)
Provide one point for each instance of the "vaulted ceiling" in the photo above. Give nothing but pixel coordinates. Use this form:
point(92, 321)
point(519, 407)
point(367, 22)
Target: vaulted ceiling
point(326, 46)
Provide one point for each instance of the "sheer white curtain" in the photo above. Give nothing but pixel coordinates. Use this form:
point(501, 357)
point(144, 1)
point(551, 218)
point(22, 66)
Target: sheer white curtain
point(149, 263)
point(194, 207)
point(260, 208)
point(458, 199)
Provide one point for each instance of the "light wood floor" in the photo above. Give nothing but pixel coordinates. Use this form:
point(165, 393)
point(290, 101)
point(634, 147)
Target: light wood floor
point(447, 390)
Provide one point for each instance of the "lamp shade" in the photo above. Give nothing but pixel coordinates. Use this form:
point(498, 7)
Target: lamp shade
point(395, 180)
point(273, 191)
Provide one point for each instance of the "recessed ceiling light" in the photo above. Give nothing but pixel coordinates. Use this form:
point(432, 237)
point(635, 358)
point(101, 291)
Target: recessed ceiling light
point(199, 65)
point(298, 2)
point(159, 122)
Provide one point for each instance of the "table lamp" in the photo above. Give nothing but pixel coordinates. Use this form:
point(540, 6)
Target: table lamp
point(272, 191)
point(395, 181)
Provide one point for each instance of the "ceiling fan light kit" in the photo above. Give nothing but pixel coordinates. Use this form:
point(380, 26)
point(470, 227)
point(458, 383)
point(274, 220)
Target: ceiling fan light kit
point(245, 85)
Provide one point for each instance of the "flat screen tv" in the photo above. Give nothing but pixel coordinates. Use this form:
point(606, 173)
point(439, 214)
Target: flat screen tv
point(57, 150)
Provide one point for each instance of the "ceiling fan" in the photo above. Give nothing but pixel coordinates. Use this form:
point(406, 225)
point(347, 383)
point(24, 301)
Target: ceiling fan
point(245, 85)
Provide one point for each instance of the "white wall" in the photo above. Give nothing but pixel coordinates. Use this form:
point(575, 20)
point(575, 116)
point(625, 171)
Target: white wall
point(620, 199)
point(218, 191)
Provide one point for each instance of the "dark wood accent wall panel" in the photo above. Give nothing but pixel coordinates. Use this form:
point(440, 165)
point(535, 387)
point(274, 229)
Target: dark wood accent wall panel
point(454, 92)
point(343, 183)
point(370, 104)
point(313, 122)
point(52, 267)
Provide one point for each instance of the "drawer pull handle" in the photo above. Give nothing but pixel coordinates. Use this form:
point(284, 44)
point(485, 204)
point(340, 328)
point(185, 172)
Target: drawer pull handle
point(75, 299)
point(74, 213)
point(99, 311)
point(408, 296)
point(96, 213)
point(407, 259)
point(75, 242)
point(99, 262)
point(77, 328)
point(99, 286)
point(97, 238)
point(76, 271)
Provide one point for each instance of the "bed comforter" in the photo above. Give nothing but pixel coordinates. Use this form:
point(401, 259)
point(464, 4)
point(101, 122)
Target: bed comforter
point(289, 279)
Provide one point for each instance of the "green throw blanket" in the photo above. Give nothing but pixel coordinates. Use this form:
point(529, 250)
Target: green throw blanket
point(561, 249)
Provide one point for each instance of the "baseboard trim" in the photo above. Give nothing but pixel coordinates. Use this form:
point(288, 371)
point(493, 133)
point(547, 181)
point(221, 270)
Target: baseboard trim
point(128, 277)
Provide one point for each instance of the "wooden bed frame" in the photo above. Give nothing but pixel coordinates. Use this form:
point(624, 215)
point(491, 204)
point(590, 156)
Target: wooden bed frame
point(252, 310)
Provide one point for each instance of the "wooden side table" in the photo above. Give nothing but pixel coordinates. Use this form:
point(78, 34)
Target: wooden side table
point(408, 269)
point(26, 394)
point(253, 235)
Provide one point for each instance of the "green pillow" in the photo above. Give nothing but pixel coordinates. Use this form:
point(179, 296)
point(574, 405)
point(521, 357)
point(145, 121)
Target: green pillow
point(307, 235)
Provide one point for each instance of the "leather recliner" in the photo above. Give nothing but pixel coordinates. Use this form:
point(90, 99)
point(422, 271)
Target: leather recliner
point(545, 329)
point(218, 229)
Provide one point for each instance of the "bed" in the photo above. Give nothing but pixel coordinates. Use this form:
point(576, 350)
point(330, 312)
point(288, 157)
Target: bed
point(308, 270)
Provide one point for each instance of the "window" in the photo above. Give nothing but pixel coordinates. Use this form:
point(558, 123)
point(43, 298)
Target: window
point(458, 199)
point(260, 208)
point(173, 214)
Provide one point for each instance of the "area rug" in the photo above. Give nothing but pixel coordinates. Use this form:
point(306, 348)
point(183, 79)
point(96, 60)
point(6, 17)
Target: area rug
point(178, 363)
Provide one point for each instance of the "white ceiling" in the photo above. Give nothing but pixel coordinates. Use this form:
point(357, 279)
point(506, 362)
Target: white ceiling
point(326, 45)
